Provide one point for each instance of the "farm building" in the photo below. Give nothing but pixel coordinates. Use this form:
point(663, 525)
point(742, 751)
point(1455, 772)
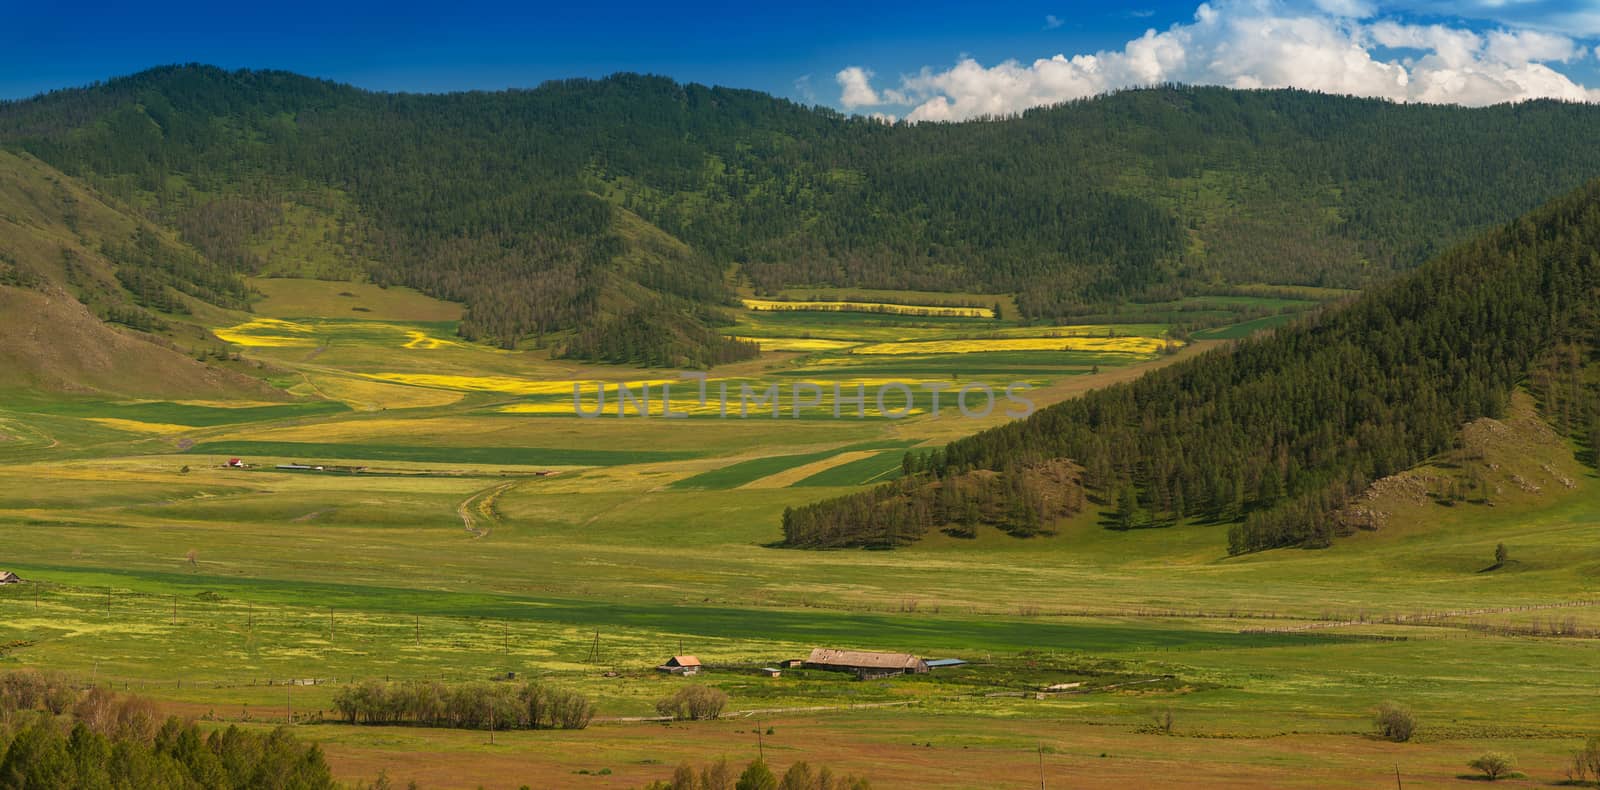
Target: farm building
point(771, 672)
point(866, 665)
point(681, 665)
point(944, 663)
point(7, 577)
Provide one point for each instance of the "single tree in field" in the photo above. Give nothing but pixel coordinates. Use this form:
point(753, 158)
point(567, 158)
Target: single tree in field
point(1493, 765)
point(1395, 722)
point(1500, 555)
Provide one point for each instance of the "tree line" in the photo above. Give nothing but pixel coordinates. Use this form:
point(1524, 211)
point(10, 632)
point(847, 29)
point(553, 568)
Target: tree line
point(483, 705)
point(52, 735)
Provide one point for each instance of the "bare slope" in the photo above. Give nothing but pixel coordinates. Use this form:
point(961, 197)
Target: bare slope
point(53, 233)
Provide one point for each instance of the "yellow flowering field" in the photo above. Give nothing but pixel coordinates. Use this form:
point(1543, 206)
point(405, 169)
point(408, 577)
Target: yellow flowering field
point(772, 305)
point(1122, 345)
point(268, 333)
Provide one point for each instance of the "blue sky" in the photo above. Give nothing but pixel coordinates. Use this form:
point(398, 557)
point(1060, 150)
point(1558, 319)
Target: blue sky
point(784, 49)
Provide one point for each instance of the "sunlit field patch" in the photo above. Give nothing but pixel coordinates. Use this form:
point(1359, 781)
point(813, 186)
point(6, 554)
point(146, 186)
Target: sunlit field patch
point(797, 343)
point(1123, 345)
point(727, 398)
point(422, 340)
point(774, 305)
point(280, 333)
point(268, 333)
point(135, 426)
point(501, 384)
point(369, 395)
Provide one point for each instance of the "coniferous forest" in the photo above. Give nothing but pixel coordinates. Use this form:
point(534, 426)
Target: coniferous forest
point(1277, 432)
point(580, 210)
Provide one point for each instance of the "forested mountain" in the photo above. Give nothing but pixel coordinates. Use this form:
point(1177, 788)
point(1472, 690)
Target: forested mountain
point(600, 204)
point(1277, 432)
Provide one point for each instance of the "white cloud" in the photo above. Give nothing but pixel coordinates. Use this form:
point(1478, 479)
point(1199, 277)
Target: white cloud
point(1051, 21)
point(1256, 44)
point(1521, 46)
point(856, 83)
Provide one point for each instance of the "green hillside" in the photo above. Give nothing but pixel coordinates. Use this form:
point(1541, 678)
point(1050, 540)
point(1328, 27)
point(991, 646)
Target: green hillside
point(603, 205)
point(93, 299)
point(1276, 434)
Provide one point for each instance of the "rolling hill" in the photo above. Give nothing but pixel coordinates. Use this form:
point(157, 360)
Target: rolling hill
point(1277, 434)
point(578, 211)
point(81, 286)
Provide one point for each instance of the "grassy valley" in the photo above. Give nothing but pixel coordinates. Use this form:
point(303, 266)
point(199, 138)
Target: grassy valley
point(1193, 495)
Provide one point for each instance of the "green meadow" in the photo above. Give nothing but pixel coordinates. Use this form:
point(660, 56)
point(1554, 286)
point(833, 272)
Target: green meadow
point(153, 569)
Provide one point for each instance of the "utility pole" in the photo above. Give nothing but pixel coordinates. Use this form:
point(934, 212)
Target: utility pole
point(761, 752)
point(252, 616)
point(1397, 784)
point(330, 624)
point(288, 703)
point(419, 629)
point(1041, 765)
point(174, 608)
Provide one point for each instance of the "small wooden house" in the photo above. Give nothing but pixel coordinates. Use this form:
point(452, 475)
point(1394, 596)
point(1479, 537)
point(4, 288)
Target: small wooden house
point(771, 672)
point(7, 577)
point(681, 665)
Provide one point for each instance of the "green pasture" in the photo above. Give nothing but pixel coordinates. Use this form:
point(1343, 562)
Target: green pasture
point(879, 468)
point(1246, 328)
point(519, 456)
point(738, 474)
point(181, 413)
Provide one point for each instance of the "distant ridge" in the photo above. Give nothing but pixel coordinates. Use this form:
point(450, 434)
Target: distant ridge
point(569, 214)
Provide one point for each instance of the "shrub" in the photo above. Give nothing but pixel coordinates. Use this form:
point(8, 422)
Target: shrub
point(1395, 722)
point(1493, 765)
point(1586, 761)
point(693, 703)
